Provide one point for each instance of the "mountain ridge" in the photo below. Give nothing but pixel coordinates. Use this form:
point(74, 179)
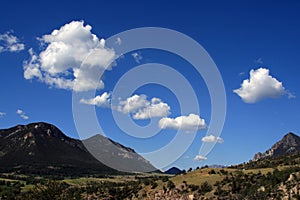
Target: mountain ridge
point(43, 148)
point(290, 143)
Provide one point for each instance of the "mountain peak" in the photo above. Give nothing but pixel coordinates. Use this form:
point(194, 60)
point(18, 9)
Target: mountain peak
point(117, 155)
point(290, 143)
point(290, 135)
point(34, 130)
point(42, 147)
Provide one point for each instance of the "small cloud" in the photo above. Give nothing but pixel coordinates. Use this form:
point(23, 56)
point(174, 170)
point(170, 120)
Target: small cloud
point(212, 138)
point(259, 61)
point(22, 114)
point(10, 43)
point(2, 114)
point(119, 41)
point(261, 85)
point(100, 100)
point(200, 158)
point(137, 57)
point(188, 123)
point(141, 108)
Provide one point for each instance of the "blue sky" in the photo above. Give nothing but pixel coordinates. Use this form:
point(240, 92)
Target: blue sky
point(239, 37)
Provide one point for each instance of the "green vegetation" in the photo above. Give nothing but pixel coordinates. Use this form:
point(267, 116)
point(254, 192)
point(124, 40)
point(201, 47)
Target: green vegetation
point(238, 182)
point(254, 185)
point(271, 162)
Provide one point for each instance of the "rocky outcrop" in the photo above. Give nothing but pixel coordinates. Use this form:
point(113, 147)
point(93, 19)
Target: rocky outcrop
point(290, 143)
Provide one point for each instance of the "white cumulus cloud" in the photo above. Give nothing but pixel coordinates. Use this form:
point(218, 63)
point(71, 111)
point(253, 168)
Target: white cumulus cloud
point(10, 43)
point(141, 108)
point(260, 85)
point(100, 100)
point(212, 138)
point(59, 64)
point(190, 122)
point(22, 114)
point(200, 158)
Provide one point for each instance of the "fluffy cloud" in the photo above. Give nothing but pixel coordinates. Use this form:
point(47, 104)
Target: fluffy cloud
point(22, 114)
point(260, 85)
point(2, 114)
point(212, 138)
point(137, 57)
point(10, 43)
point(190, 122)
point(200, 158)
point(100, 100)
point(141, 108)
point(59, 64)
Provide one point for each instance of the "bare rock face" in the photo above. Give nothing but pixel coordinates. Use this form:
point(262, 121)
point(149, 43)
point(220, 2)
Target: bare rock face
point(290, 143)
point(290, 189)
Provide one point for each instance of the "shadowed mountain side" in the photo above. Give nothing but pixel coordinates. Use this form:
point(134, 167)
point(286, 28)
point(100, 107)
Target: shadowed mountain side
point(116, 155)
point(41, 148)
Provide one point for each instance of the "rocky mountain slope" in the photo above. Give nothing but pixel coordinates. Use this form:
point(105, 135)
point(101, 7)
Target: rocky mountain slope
point(290, 143)
point(116, 155)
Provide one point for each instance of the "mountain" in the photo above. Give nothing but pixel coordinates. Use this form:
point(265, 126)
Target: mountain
point(290, 143)
point(41, 148)
point(116, 155)
point(173, 171)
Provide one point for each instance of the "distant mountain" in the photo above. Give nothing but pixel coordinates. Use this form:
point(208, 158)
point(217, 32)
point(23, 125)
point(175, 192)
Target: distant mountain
point(217, 166)
point(42, 148)
point(290, 143)
point(173, 171)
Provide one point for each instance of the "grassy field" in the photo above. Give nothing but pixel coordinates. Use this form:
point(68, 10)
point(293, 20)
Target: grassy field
point(197, 177)
point(200, 176)
point(260, 170)
point(84, 180)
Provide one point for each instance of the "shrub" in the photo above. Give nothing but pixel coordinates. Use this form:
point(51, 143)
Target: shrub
point(205, 187)
point(170, 185)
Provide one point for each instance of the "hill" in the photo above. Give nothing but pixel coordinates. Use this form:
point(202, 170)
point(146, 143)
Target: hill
point(173, 171)
point(41, 148)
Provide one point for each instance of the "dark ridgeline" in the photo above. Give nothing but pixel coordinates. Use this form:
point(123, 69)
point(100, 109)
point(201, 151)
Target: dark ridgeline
point(41, 148)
